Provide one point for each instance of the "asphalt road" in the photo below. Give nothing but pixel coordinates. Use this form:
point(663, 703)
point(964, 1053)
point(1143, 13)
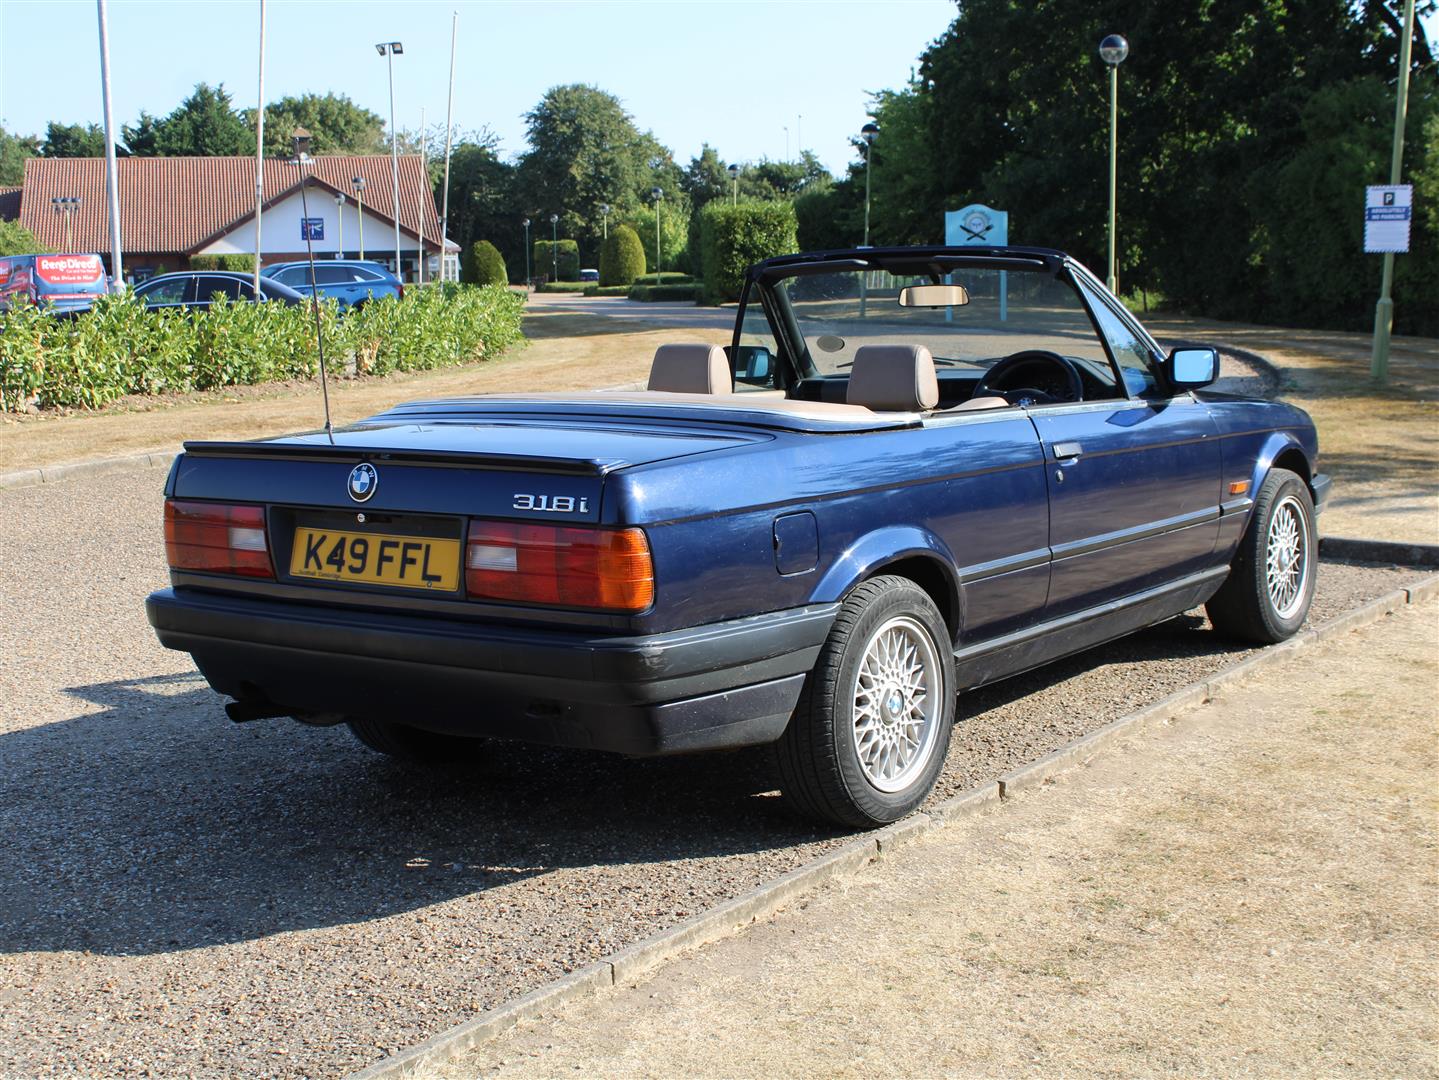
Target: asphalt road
point(180, 894)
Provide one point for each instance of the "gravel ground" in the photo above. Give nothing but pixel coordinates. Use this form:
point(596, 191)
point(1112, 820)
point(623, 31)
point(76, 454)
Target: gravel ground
point(183, 895)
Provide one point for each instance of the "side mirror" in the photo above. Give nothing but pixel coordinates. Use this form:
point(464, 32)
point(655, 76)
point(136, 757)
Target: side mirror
point(752, 364)
point(1189, 369)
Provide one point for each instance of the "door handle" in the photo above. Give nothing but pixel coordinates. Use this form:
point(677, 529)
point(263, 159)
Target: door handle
point(1067, 451)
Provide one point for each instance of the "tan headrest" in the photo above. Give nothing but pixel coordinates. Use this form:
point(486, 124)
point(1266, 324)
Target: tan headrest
point(893, 378)
point(691, 369)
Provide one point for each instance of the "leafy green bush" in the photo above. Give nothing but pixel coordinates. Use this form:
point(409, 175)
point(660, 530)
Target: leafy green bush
point(734, 237)
point(15, 239)
point(119, 348)
point(568, 259)
point(484, 265)
point(564, 287)
point(239, 264)
point(607, 290)
point(674, 234)
point(622, 257)
point(640, 291)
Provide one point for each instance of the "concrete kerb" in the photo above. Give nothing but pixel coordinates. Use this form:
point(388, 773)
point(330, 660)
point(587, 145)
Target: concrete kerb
point(633, 962)
point(50, 474)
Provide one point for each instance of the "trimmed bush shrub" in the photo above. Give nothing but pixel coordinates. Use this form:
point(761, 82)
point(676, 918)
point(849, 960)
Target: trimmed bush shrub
point(238, 264)
point(484, 265)
point(568, 258)
point(622, 257)
point(607, 290)
point(734, 237)
point(564, 287)
point(119, 348)
point(641, 291)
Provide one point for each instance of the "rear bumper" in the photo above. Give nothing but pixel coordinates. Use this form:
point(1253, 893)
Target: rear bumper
point(708, 687)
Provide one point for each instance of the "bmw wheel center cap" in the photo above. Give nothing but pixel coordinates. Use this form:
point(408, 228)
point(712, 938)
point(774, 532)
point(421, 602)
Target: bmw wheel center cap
point(363, 481)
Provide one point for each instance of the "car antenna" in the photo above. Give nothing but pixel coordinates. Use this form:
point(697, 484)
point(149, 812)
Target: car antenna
point(301, 139)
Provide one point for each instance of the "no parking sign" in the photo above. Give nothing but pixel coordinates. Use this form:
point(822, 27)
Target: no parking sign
point(1388, 209)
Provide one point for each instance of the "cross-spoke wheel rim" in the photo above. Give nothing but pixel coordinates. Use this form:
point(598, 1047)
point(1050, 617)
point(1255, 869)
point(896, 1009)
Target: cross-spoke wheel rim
point(898, 704)
point(1286, 557)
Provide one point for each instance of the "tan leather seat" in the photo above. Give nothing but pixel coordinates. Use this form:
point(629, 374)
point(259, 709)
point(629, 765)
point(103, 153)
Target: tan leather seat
point(976, 404)
point(691, 369)
point(893, 378)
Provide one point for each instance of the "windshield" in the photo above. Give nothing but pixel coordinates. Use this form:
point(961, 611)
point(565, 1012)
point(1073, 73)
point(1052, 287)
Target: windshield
point(1008, 311)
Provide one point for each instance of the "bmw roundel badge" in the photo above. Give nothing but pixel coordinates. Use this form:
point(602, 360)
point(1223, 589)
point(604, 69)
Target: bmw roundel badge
point(363, 481)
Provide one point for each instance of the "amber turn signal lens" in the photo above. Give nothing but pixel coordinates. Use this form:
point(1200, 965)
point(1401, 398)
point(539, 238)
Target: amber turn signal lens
point(558, 566)
point(1239, 487)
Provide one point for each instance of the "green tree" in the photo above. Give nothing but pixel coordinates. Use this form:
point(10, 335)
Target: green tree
point(14, 149)
point(622, 258)
point(584, 150)
point(73, 140)
point(15, 239)
point(674, 233)
point(203, 125)
point(335, 123)
point(484, 265)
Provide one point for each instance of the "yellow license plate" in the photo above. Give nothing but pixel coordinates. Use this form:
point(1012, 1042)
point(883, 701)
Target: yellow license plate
point(413, 562)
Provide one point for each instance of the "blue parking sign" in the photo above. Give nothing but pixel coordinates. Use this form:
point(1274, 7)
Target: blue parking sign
point(312, 228)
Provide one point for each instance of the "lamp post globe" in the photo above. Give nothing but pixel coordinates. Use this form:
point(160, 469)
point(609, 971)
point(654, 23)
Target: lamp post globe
point(604, 209)
point(1113, 50)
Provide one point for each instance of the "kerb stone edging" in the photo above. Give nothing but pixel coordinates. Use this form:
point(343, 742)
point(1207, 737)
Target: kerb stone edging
point(727, 918)
point(49, 474)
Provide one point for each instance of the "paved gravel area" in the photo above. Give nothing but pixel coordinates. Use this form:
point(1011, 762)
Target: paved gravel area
point(182, 895)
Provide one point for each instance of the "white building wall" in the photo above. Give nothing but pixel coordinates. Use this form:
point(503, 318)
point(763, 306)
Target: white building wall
point(280, 231)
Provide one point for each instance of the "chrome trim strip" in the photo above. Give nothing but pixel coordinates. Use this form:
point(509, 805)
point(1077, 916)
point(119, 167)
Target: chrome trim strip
point(1089, 546)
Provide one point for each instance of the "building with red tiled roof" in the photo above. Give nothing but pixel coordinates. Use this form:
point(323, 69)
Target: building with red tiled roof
point(172, 208)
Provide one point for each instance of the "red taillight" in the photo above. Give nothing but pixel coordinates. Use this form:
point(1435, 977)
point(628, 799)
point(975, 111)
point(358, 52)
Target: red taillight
point(606, 569)
point(401, 286)
point(217, 538)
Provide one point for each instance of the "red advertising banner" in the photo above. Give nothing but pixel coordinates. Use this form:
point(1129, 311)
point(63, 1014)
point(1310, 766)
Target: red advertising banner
point(69, 269)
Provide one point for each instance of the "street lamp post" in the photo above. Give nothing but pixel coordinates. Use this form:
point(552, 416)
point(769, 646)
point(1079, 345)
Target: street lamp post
point(300, 140)
point(657, 194)
point(526, 224)
point(554, 247)
point(67, 205)
point(358, 183)
point(340, 225)
point(867, 133)
point(605, 219)
point(1112, 50)
point(734, 184)
point(389, 50)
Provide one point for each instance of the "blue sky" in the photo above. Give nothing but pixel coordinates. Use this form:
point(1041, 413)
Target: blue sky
point(733, 74)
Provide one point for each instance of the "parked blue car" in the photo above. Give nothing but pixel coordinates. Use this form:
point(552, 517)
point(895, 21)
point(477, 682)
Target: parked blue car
point(913, 471)
point(350, 281)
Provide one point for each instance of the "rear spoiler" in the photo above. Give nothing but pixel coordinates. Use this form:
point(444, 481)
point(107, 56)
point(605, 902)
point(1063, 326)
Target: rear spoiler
point(294, 451)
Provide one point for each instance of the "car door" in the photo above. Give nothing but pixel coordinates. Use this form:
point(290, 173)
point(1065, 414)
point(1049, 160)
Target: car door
point(1134, 481)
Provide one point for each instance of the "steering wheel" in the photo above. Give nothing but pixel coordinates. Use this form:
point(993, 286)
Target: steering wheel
point(1012, 367)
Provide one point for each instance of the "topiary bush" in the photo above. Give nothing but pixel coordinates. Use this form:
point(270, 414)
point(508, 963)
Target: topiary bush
point(734, 237)
point(622, 258)
point(569, 260)
point(641, 291)
point(484, 265)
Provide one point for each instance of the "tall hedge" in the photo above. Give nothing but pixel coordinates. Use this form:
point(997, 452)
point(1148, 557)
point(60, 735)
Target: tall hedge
point(732, 237)
point(569, 260)
point(484, 265)
point(622, 258)
point(237, 264)
point(118, 348)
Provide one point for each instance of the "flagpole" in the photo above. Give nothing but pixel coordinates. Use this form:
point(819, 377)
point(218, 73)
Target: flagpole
point(260, 148)
point(449, 131)
point(112, 184)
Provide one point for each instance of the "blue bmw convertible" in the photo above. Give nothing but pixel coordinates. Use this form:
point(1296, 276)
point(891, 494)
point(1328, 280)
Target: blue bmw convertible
point(912, 471)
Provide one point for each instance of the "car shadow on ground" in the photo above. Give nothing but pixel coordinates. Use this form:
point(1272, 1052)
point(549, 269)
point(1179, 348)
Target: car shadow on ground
point(192, 831)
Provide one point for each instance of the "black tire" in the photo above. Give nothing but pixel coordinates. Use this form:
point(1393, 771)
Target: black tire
point(819, 756)
point(408, 743)
point(1251, 606)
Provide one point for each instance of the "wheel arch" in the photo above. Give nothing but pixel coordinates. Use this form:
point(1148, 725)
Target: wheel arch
point(904, 551)
point(1281, 451)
